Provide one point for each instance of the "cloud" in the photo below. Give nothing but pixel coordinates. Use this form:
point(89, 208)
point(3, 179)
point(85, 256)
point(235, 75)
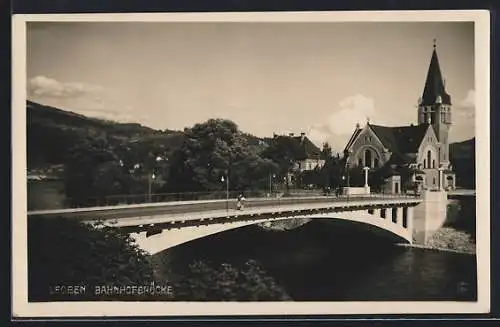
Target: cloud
point(465, 110)
point(469, 101)
point(341, 123)
point(353, 109)
point(86, 99)
point(43, 86)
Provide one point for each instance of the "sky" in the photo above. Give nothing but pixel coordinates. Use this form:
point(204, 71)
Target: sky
point(318, 78)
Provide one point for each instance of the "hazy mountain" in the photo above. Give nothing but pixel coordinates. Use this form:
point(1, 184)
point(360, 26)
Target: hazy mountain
point(462, 158)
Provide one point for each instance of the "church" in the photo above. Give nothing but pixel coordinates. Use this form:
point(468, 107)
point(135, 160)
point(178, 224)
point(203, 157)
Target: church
point(422, 150)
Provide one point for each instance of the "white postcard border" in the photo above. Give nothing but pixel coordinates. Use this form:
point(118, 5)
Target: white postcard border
point(20, 305)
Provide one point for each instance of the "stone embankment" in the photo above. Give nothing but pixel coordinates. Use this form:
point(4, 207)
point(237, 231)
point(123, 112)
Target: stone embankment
point(448, 238)
point(284, 225)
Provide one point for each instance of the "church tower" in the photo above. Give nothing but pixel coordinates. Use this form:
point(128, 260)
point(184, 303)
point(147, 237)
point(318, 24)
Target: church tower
point(434, 107)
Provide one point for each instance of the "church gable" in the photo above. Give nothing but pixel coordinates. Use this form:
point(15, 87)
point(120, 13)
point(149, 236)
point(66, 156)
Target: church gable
point(366, 149)
point(428, 150)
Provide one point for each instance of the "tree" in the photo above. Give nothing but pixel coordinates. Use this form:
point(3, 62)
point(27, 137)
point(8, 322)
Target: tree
point(226, 282)
point(212, 150)
point(81, 254)
point(93, 170)
point(406, 172)
point(326, 152)
point(282, 151)
point(331, 172)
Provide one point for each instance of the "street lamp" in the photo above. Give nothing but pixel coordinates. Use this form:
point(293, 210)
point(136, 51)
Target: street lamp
point(151, 178)
point(227, 190)
point(271, 176)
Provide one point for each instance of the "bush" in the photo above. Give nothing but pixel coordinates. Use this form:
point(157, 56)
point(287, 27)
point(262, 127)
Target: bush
point(66, 252)
point(63, 252)
point(203, 282)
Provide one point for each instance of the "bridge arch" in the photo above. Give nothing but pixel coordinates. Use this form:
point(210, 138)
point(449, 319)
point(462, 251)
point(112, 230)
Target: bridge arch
point(172, 237)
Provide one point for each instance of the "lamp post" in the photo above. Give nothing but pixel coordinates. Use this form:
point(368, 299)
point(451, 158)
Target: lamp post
point(343, 184)
point(151, 178)
point(271, 176)
point(227, 190)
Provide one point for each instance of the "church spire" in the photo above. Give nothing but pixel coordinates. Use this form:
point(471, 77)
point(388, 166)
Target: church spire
point(434, 84)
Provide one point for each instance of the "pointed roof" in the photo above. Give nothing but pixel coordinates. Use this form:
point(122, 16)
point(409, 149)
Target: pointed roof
point(401, 139)
point(434, 84)
point(300, 147)
point(353, 137)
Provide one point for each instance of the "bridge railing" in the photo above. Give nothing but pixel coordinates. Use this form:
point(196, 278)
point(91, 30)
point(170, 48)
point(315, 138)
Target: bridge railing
point(129, 199)
point(220, 200)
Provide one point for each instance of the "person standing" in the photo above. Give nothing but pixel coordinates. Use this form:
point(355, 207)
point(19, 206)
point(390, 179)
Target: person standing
point(240, 204)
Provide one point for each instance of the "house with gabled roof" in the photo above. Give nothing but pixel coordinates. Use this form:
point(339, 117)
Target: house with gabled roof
point(305, 154)
point(422, 149)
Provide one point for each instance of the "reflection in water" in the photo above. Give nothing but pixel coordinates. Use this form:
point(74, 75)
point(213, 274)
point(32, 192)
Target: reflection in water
point(325, 261)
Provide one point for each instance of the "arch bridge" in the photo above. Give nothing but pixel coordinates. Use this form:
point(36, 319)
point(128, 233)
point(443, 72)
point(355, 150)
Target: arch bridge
point(159, 226)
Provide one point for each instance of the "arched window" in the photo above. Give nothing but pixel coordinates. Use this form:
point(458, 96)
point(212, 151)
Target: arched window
point(433, 163)
point(368, 158)
point(429, 159)
point(425, 163)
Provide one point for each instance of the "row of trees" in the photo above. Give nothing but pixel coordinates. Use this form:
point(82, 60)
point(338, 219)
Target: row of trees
point(207, 155)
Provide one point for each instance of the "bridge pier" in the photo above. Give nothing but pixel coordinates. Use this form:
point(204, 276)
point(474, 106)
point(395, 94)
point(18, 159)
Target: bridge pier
point(429, 216)
point(399, 216)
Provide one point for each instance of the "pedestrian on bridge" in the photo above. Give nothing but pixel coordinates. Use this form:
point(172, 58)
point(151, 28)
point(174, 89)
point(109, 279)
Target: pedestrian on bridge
point(241, 202)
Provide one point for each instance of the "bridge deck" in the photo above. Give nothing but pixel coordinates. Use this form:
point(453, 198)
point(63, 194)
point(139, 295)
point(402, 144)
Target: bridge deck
point(255, 213)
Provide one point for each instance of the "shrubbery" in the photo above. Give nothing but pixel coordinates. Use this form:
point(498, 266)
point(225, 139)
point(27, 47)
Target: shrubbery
point(226, 282)
point(66, 252)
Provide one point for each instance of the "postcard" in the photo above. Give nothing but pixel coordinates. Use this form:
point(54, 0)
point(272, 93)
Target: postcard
point(229, 164)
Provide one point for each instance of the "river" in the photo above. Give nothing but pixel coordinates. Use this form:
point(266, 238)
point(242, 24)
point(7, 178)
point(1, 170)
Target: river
point(325, 261)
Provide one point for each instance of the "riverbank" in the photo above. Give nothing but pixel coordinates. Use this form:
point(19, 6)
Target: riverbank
point(284, 225)
point(448, 239)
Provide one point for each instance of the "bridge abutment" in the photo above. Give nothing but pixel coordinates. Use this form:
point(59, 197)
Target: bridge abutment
point(410, 221)
point(429, 216)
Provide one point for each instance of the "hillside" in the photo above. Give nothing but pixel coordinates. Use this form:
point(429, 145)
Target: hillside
point(52, 132)
point(462, 157)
